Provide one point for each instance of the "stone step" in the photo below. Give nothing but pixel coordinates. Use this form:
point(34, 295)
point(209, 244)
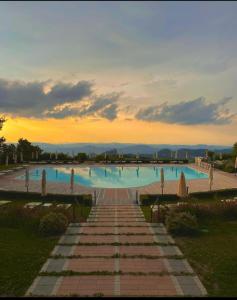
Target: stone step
point(125, 285)
point(107, 250)
point(125, 265)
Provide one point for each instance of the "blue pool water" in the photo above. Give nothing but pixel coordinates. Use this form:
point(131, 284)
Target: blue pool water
point(113, 176)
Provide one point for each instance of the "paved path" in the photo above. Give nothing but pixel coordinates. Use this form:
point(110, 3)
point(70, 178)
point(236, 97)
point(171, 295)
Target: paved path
point(116, 253)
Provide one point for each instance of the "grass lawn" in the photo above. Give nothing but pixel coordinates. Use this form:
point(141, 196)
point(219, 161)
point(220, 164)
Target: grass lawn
point(4, 167)
point(22, 254)
point(213, 255)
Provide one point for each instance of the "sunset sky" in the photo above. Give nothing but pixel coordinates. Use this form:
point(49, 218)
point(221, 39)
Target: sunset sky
point(137, 72)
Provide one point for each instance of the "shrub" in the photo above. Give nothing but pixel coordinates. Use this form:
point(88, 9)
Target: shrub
point(15, 216)
point(201, 211)
point(223, 210)
point(228, 210)
point(181, 223)
point(53, 224)
point(163, 212)
point(229, 166)
point(146, 199)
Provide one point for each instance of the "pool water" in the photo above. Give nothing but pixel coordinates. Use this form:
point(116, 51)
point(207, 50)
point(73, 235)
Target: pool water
point(113, 176)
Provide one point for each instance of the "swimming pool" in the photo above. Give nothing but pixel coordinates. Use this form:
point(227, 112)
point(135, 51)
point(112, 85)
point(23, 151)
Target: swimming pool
point(113, 176)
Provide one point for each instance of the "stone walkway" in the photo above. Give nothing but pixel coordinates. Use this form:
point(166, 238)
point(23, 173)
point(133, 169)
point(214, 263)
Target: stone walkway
point(116, 253)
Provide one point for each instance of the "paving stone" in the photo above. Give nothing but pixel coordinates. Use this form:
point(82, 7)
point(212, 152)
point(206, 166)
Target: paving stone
point(90, 264)
point(43, 286)
point(142, 265)
point(135, 230)
point(139, 250)
point(94, 250)
point(62, 250)
point(73, 230)
point(53, 265)
point(69, 239)
point(86, 286)
point(147, 286)
point(170, 250)
point(163, 239)
point(100, 239)
point(178, 265)
point(135, 239)
point(158, 230)
point(98, 230)
point(191, 285)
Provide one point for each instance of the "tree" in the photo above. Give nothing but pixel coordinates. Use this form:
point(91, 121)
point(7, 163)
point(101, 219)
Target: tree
point(27, 148)
point(81, 157)
point(2, 139)
point(234, 150)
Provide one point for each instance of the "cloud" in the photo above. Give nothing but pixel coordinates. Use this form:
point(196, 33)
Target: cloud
point(192, 112)
point(160, 83)
point(30, 99)
point(104, 106)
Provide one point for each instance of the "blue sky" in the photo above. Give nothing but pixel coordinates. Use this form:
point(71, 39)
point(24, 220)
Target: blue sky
point(151, 59)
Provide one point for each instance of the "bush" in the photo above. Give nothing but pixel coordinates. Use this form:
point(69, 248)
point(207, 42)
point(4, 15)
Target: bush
point(228, 210)
point(181, 223)
point(15, 216)
point(151, 199)
point(53, 224)
point(223, 210)
point(163, 212)
point(229, 166)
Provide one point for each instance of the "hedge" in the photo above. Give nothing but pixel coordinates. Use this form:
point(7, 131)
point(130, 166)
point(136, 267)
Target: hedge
point(18, 195)
point(151, 199)
point(213, 194)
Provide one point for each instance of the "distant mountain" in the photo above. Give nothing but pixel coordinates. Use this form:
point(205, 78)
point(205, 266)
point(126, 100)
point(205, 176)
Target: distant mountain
point(126, 148)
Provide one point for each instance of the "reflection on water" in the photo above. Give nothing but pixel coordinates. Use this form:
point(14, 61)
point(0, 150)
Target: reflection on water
point(112, 176)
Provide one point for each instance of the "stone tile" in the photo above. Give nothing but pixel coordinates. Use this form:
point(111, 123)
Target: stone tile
point(191, 285)
point(90, 264)
point(53, 265)
point(147, 286)
point(139, 250)
point(86, 286)
point(136, 239)
point(159, 230)
point(94, 250)
point(163, 239)
point(100, 239)
point(43, 286)
point(69, 239)
point(98, 230)
point(62, 250)
point(178, 265)
point(142, 265)
point(135, 230)
point(73, 230)
point(170, 250)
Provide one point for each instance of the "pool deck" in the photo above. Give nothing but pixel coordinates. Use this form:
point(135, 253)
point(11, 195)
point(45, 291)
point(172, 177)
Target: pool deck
point(222, 180)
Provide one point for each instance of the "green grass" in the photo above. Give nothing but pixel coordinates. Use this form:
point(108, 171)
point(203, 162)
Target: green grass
point(4, 167)
point(23, 251)
point(213, 255)
point(22, 254)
